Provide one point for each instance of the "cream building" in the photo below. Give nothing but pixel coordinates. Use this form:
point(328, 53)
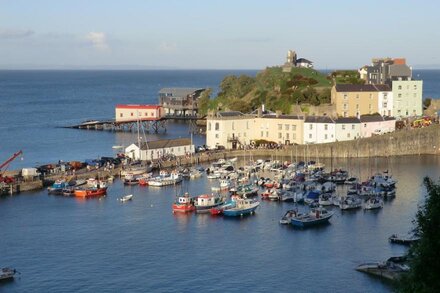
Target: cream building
point(353, 100)
point(234, 129)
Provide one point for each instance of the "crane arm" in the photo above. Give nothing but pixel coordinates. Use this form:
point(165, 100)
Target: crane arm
point(5, 163)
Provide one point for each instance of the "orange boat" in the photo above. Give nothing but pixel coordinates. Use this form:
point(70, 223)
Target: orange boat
point(90, 192)
point(184, 204)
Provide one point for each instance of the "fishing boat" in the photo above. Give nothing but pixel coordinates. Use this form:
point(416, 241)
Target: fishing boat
point(315, 217)
point(350, 203)
point(57, 187)
point(242, 207)
point(7, 274)
point(184, 204)
point(172, 179)
point(131, 180)
point(126, 198)
point(204, 203)
point(69, 191)
point(98, 189)
point(374, 203)
point(219, 209)
point(288, 217)
point(405, 240)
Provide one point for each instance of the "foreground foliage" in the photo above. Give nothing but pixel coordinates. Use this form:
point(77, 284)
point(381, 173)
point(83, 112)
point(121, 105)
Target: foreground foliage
point(424, 275)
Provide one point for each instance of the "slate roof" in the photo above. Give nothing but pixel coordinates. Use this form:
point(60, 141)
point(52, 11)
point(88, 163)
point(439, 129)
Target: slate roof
point(273, 116)
point(371, 118)
point(179, 92)
point(362, 88)
point(318, 119)
point(165, 143)
point(229, 114)
point(347, 120)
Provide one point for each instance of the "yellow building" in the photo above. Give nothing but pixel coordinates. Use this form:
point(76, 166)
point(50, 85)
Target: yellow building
point(353, 100)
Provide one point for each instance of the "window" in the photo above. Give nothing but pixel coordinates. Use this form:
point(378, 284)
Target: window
point(310, 135)
point(415, 86)
point(345, 96)
point(345, 114)
point(121, 115)
point(311, 126)
point(343, 126)
point(348, 135)
point(399, 95)
point(357, 96)
point(415, 95)
point(293, 135)
point(262, 134)
point(267, 133)
point(385, 105)
point(239, 134)
point(216, 136)
point(244, 134)
point(152, 114)
point(294, 127)
point(280, 126)
point(345, 106)
point(146, 114)
point(217, 126)
point(399, 87)
point(325, 127)
point(365, 124)
point(357, 106)
point(287, 136)
point(131, 113)
point(371, 96)
point(325, 136)
point(369, 106)
point(209, 126)
point(247, 124)
point(279, 135)
point(286, 127)
point(353, 126)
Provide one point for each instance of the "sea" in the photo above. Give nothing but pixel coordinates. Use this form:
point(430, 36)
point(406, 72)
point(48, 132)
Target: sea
point(61, 244)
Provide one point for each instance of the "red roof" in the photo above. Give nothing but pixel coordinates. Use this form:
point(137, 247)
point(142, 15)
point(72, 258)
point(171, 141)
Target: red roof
point(138, 107)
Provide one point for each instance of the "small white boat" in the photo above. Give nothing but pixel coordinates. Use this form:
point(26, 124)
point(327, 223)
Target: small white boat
point(126, 197)
point(350, 203)
point(374, 203)
point(7, 274)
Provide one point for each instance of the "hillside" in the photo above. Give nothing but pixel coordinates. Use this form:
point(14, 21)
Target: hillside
point(276, 89)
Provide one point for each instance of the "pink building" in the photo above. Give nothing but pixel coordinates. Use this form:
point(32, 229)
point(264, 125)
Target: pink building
point(127, 113)
point(376, 125)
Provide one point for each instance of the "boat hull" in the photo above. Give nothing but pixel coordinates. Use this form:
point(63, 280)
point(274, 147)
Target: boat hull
point(234, 212)
point(178, 208)
point(304, 224)
point(90, 192)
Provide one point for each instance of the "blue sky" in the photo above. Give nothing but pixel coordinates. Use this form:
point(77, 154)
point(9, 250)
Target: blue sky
point(197, 34)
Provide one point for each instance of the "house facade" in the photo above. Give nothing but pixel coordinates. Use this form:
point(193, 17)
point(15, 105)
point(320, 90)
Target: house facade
point(347, 128)
point(180, 101)
point(319, 129)
point(353, 100)
point(133, 113)
point(408, 99)
point(157, 149)
point(376, 125)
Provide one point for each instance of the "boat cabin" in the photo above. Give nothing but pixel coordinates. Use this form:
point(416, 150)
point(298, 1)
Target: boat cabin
point(205, 200)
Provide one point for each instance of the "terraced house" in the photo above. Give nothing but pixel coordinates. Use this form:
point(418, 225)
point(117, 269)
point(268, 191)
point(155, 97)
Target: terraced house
point(354, 100)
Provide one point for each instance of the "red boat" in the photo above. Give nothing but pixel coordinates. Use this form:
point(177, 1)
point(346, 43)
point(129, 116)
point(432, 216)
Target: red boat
point(184, 204)
point(90, 192)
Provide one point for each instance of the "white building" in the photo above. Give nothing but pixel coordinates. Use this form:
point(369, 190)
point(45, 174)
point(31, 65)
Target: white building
point(385, 102)
point(407, 95)
point(347, 128)
point(156, 149)
point(376, 125)
point(319, 129)
point(133, 113)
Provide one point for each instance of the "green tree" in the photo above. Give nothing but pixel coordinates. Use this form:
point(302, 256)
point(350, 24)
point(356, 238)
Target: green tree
point(427, 102)
point(424, 275)
point(204, 101)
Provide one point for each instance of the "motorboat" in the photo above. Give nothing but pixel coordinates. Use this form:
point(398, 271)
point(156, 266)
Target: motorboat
point(350, 203)
point(405, 240)
point(184, 204)
point(288, 217)
point(374, 202)
point(315, 217)
point(205, 202)
point(126, 198)
point(7, 274)
point(243, 206)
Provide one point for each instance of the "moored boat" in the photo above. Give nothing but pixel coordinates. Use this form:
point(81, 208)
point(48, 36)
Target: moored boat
point(204, 203)
point(405, 240)
point(374, 203)
point(7, 274)
point(288, 217)
point(242, 207)
point(184, 204)
point(315, 217)
point(57, 187)
point(126, 198)
point(90, 192)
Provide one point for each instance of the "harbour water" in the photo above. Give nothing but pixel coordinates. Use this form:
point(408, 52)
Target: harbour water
point(65, 244)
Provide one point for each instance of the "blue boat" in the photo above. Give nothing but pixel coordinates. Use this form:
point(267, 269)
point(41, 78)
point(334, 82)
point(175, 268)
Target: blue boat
point(315, 217)
point(57, 187)
point(242, 207)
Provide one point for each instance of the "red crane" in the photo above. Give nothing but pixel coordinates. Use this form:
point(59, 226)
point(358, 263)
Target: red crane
point(6, 163)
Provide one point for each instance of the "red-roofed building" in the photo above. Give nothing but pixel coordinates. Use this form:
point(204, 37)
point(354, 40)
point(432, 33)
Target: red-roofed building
point(128, 113)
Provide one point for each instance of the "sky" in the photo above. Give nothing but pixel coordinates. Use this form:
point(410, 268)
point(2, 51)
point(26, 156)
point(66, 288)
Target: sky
point(212, 34)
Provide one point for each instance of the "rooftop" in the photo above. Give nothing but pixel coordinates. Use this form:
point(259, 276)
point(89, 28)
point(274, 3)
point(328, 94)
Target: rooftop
point(165, 143)
point(362, 88)
point(318, 119)
point(347, 120)
point(180, 92)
